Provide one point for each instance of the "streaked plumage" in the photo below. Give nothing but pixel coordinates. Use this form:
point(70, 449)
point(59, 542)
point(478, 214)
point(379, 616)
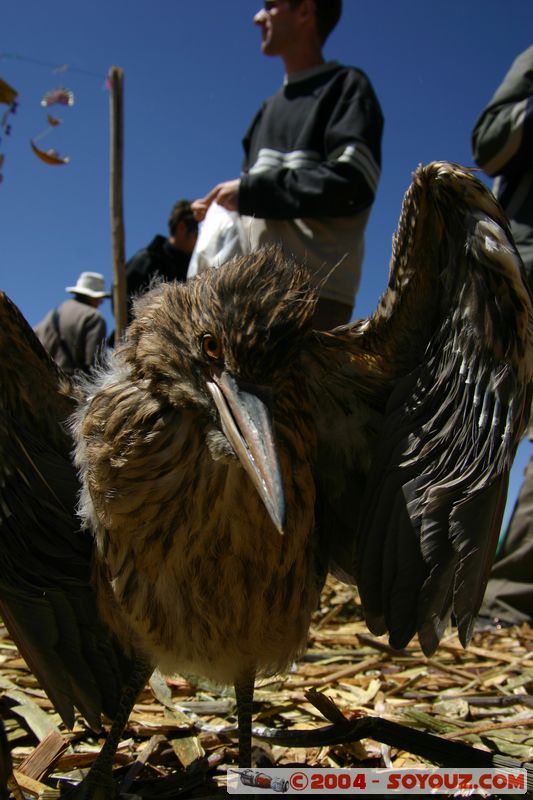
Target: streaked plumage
point(392, 441)
point(206, 581)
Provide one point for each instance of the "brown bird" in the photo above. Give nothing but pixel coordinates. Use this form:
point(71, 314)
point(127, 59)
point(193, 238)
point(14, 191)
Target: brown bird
point(230, 455)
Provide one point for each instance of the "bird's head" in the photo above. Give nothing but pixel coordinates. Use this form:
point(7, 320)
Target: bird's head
point(224, 344)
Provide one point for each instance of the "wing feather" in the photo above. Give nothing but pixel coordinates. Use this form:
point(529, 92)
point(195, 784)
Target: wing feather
point(446, 360)
point(46, 596)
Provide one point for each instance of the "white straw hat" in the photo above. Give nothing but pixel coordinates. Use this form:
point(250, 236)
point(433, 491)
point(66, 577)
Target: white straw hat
point(91, 284)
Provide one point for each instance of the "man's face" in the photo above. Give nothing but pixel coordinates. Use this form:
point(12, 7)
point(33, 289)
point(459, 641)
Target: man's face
point(278, 23)
point(183, 238)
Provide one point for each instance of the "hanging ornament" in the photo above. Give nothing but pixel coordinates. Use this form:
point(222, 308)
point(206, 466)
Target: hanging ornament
point(49, 156)
point(62, 96)
point(8, 97)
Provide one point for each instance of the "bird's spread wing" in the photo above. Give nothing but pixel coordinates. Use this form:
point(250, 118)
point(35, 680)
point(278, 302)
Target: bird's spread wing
point(46, 599)
point(441, 376)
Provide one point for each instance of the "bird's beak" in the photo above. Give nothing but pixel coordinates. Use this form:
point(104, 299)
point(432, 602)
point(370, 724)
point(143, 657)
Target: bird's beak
point(247, 425)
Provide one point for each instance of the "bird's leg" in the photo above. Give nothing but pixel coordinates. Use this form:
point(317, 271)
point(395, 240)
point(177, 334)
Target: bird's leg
point(244, 694)
point(98, 783)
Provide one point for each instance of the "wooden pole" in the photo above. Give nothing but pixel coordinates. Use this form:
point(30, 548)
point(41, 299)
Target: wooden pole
point(116, 80)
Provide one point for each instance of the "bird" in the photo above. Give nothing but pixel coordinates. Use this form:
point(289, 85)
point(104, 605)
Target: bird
point(228, 457)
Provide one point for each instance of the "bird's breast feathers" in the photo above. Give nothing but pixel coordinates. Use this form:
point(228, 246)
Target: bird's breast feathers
point(203, 567)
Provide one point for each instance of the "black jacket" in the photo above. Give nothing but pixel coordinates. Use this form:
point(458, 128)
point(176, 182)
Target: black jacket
point(159, 260)
point(502, 144)
point(314, 148)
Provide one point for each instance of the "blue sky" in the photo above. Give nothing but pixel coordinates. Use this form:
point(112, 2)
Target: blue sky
point(193, 77)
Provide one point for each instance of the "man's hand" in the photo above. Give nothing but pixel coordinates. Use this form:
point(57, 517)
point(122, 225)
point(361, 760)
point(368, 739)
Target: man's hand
point(226, 194)
point(199, 209)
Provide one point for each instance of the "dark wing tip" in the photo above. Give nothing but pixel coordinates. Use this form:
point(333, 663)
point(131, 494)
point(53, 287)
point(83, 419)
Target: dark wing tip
point(46, 597)
point(456, 323)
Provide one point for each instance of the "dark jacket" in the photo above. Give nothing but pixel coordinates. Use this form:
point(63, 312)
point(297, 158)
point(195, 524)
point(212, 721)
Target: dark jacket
point(311, 169)
point(502, 144)
point(314, 148)
point(159, 260)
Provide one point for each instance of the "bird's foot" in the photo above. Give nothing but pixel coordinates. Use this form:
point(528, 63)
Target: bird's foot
point(262, 757)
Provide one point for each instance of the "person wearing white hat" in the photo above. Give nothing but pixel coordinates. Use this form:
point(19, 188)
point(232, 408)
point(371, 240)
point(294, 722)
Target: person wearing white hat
point(74, 333)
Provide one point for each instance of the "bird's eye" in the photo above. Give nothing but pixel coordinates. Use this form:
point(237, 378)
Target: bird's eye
point(211, 347)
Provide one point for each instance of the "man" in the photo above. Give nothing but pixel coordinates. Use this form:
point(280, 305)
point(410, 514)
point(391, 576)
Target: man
point(74, 333)
point(312, 157)
point(165, 257)
point(502, 144)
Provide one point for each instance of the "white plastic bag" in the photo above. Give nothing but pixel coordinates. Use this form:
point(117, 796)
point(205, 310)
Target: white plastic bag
point(220, 238)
